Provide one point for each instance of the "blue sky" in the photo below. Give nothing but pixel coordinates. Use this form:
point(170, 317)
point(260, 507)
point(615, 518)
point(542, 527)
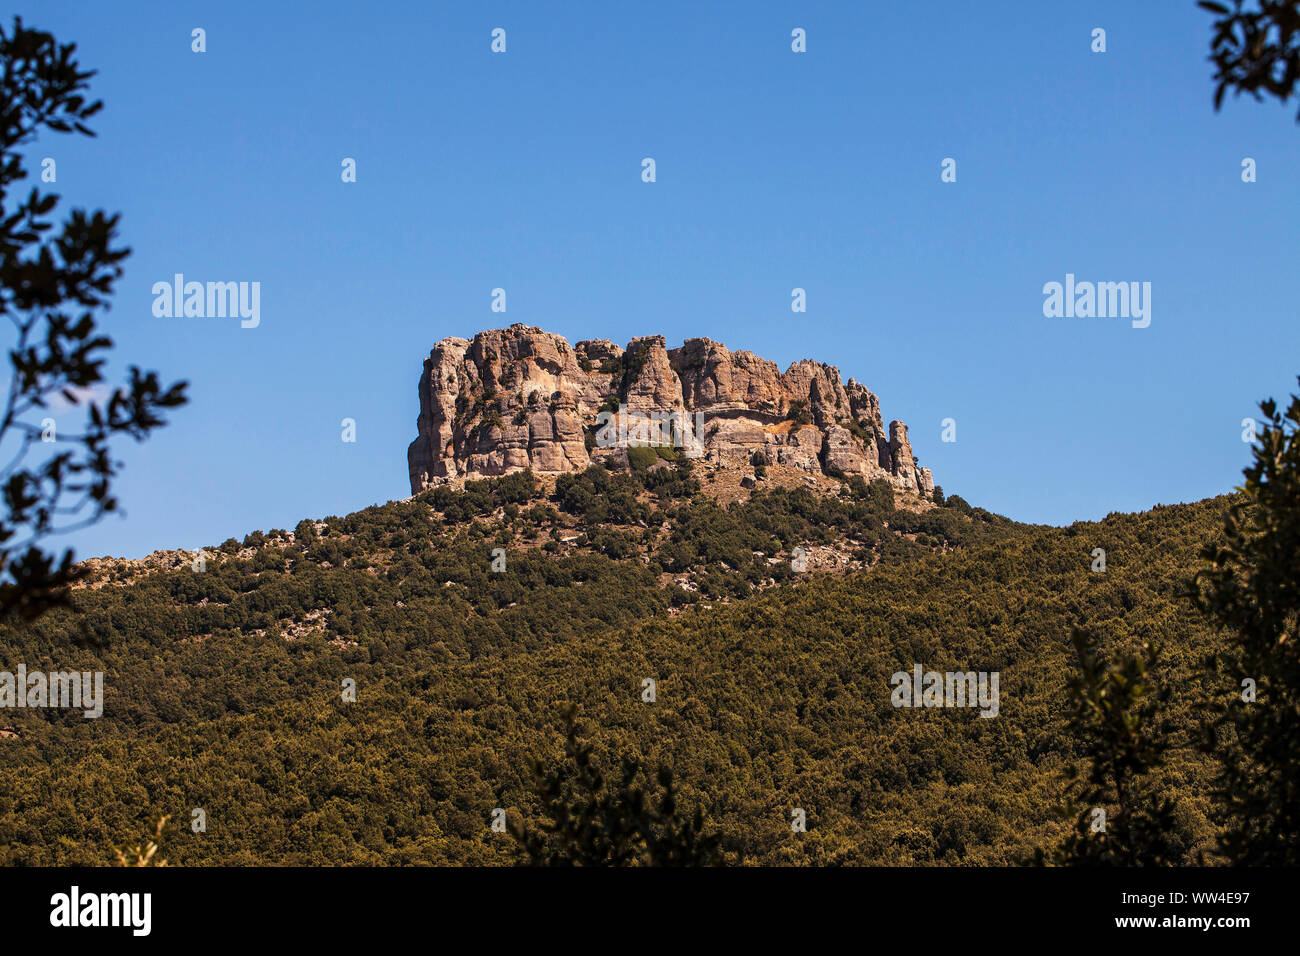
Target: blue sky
point(818, 170)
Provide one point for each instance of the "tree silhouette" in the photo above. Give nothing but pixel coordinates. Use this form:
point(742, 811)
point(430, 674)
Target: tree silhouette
point(593, 820)
point(1117, 713)
point(1251, 589)
point(51, 284)
point(1252, 585)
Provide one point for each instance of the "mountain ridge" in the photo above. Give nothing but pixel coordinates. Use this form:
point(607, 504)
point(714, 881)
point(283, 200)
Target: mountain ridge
point(773, 683)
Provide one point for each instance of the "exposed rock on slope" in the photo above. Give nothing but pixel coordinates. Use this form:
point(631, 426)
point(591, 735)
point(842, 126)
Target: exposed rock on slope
point(520, 397)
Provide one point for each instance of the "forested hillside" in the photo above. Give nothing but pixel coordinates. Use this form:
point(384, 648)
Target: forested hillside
point(223, 685)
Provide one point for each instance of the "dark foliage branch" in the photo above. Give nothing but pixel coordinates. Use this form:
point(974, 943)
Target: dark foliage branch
point(600, 819)
point(1251, 589)
point(51, 284)
point(1118, 713)
point(1255, 50)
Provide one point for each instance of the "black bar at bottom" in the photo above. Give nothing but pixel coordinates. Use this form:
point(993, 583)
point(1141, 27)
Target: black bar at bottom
point(359, 906)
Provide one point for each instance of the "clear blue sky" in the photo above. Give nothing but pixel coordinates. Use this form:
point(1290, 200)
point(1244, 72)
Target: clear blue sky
point(775, 170)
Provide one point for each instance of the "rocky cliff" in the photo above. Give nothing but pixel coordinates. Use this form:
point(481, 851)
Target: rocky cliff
point(520, 397)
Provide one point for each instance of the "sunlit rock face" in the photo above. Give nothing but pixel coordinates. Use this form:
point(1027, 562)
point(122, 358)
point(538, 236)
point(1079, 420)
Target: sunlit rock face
point(520, 397)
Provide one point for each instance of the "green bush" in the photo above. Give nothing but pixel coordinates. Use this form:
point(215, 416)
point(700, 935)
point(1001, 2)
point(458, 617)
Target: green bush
point(641, 457)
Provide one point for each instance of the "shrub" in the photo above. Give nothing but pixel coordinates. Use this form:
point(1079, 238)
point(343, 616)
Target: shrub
point(641, 457)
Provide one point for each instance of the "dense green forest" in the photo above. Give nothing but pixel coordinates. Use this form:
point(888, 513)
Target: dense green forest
point(223, 685)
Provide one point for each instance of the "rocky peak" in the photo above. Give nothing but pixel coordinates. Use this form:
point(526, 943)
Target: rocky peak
point(524, 398)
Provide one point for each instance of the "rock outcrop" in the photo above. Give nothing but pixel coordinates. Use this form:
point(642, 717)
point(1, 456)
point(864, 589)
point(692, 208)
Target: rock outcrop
point(523, 398)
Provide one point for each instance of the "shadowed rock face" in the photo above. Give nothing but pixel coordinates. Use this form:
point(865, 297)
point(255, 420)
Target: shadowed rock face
point(519, 397)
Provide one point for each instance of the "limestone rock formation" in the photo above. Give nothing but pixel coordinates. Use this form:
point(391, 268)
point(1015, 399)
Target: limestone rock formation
point(520, 397)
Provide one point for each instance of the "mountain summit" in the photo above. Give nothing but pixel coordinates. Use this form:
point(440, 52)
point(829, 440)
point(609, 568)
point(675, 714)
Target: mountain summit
point(520, 397)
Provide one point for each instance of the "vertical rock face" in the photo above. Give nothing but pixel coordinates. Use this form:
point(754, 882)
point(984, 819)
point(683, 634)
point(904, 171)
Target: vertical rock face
point(523, 398)
point(649, 382)
point(714, 379)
